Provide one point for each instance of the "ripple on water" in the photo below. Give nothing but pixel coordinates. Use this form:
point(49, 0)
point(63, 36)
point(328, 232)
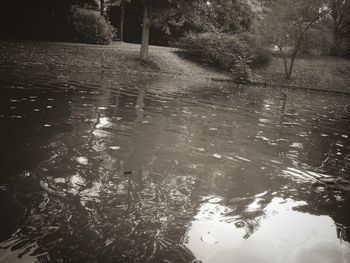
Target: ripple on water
point(234, 173)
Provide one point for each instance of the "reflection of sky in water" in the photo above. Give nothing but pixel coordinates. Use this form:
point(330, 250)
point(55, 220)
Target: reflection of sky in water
point(103, 123)
point(281, 235)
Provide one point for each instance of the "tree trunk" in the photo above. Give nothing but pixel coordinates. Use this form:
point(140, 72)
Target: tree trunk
point(102, 7)
point(294, 54)
point(290, 71)
point(145, 30)
point(284, 60)
point(285, 64)
point(121, 21)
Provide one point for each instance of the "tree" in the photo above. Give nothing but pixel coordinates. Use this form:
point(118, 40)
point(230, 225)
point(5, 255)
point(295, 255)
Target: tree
point(200, 16)
point(146, 24)
point(287, 24)
point(232, 16)
point(39, 19)
point(339, 15)
point(121, 20)
point(174, 17)
point(110, 4)
point(194, 16)
point(149, 5)
point(102, 7)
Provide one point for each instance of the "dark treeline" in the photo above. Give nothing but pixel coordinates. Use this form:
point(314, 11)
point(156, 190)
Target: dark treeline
point(132, 24)
point(52, 19)
point(228, 33)
point(38, 19)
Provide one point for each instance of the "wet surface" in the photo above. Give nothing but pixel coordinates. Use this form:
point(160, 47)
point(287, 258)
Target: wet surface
point(141, 169)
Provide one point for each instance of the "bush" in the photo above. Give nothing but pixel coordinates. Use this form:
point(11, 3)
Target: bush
point(90, 27)
point(220, 49)
point(257, 49)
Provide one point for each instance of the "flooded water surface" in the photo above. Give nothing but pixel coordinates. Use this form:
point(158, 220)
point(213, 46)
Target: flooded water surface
point(147, 169)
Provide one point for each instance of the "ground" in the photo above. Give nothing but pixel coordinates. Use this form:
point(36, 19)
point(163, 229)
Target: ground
point(117, 58)
point(325, 73)
point(317, 72)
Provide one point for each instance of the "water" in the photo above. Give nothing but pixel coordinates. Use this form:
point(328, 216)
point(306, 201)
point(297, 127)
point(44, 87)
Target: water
point(150, 169)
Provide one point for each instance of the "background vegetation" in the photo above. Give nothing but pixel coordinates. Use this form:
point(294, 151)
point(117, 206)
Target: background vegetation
point(89, 27)
point(233, 34)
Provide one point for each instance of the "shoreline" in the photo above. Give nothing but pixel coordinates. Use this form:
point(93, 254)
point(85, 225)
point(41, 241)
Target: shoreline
point(316, 74)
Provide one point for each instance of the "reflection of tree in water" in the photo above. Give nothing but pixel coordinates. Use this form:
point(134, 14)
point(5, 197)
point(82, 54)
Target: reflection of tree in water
point(323, 154)
point(247, 198)
point(101, 210)
point(237, 197)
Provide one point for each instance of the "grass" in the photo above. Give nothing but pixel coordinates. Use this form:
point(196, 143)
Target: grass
point(69, 56)
point(317, 72)
point(117, 58)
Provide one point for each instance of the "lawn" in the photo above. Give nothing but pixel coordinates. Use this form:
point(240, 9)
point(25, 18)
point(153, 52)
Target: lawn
point(317, 72)
point(117, 58)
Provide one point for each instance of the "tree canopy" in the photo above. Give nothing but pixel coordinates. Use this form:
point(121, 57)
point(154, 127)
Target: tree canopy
point(43, 19)
point(339, 20)
point(285, 21)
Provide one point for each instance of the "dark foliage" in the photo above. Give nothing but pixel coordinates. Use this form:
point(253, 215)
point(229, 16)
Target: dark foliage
point(257, 49)
point(38, 19)
point(235, 53)
point(318, 41)
point(232, 16)
point(220, 49)
point(90, 27)
point(132, 21)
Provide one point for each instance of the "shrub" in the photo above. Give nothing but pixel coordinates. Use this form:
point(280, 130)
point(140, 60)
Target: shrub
point(220, 49)
point(259, 54)
point(90, 27)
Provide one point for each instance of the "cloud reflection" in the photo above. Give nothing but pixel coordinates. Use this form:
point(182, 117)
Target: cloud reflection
point(282, 235)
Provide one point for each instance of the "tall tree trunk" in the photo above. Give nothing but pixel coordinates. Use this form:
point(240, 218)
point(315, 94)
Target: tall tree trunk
point(145, 30)
point(121, 21)
point(102, 7)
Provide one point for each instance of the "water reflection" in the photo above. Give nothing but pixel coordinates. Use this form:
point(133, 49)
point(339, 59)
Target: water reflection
point(281, 235)
point(135, 169)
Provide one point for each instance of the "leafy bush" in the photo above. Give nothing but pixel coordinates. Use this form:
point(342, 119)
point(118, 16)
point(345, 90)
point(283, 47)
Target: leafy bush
point(220, 49)
point(259, 54)
point(90, 27)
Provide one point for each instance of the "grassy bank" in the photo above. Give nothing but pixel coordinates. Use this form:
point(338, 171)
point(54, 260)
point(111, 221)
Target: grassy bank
point(117, 58)
point(316, 72)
